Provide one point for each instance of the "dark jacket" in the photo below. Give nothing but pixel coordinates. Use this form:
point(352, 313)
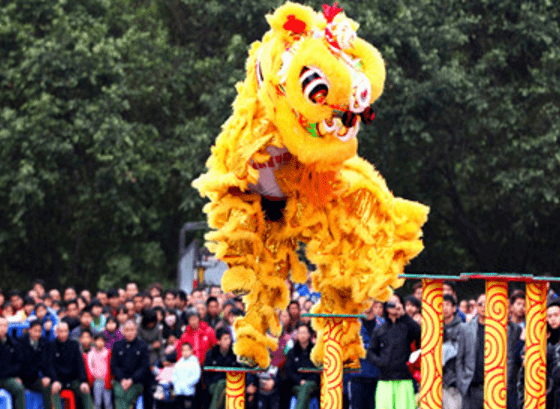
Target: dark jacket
point(130, 360)
point(300, 358)
point(76, 333)
point(553, 376)
point(367, 369)
point(211, 321)
point(467, 355)
point(72, 322)
point(36, 361)
point(149, 336)
point(167, 331)
point(389, 347)
point(67, 362)
point(215, 358)
point(10, 358)
point(451, 333)
point(514, 347)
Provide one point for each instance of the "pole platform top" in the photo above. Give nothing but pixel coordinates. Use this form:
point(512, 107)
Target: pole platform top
point(320, 369)
point(333, 315)
point(233, 369)
point(432, 277)
point(527, 278)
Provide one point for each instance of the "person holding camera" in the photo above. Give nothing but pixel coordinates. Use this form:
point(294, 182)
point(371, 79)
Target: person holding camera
point(389, 350)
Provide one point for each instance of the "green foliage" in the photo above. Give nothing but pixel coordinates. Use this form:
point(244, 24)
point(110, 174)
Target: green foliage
point(108, 110)
point(94, 163)
point(469, 125)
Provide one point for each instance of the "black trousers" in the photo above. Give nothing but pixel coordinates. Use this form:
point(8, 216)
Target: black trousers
point(474, 399)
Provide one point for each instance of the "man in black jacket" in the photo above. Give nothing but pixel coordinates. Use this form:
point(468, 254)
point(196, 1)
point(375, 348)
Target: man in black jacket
point(72, 317)
point(10, 366)
point(389, 349)
point(222, 355)
point(36, 369)
point(130, 366)
point(68, 368)
point(303, 385)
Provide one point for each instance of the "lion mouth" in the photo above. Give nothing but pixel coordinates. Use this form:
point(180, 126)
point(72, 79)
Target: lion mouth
point(336, 127)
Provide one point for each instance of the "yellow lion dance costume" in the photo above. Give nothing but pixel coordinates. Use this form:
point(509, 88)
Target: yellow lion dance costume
point(285, 170)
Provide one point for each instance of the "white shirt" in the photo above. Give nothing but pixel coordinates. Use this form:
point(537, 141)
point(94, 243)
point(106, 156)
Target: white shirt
point(267, 184)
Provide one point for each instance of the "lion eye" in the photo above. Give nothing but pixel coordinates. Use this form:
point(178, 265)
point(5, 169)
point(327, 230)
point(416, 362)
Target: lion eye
point(314, 84)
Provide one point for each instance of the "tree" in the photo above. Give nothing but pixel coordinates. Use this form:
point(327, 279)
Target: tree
point(108, 110)
point(93, 143)
point(469, 125)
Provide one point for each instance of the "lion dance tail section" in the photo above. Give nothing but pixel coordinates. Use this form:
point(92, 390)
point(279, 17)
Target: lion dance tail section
point(368, 239)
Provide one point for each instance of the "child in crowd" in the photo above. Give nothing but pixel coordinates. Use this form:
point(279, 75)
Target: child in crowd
point(8, 311)
point(170, 351)
point(86, 340)
point(220, 355)
point(112, 333)
point(186, 375)
point(98, 319)
point(98, 360)
point(47, 318)
point(164, 372)
point(122, 316)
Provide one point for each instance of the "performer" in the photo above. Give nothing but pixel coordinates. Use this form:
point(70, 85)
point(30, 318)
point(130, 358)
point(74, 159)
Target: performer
point(284, 171)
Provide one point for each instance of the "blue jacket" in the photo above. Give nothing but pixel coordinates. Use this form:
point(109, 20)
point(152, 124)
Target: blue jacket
point(51, 315)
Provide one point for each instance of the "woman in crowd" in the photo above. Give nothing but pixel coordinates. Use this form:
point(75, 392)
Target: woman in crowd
point(389, 350)
point(112, 332)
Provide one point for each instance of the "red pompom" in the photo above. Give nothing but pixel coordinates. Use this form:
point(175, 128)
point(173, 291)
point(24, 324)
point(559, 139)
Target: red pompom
point(294, 25)
point(330, 12)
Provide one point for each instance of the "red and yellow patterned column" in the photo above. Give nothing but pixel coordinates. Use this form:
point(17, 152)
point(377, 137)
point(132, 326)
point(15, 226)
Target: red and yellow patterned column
point(432, 344)
point(332, 365)
point(535, 346)
point(495, 344)
point(235, 390)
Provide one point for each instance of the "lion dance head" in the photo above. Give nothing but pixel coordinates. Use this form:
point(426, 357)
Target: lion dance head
point(317, 80)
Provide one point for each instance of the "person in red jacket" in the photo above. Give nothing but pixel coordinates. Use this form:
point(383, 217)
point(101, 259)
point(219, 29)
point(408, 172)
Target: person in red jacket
point(199, 334)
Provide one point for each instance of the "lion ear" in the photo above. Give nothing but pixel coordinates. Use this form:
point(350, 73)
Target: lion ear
point(291, 19)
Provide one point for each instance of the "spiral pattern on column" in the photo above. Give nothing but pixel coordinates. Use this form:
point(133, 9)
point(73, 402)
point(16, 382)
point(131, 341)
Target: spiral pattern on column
point(535, 346)
point(495, 345)
point(235, 390)
point(432, 342)
point(332, 365)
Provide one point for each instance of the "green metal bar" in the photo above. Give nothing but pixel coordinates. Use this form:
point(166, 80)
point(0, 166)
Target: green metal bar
point(319, 370)
point(333, 315)
point(431, 277)
point(498, 276)
point(232, 369)
point(549, 279)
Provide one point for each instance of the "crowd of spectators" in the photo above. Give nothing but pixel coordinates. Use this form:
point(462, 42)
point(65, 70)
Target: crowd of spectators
point(112, 346)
